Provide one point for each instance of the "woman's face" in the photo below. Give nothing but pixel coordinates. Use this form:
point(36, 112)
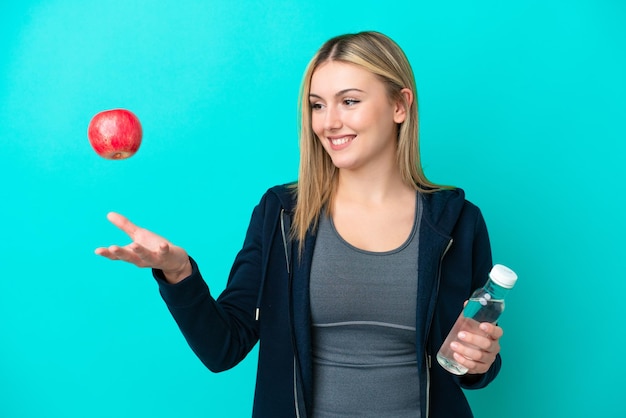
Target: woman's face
point(353, 116)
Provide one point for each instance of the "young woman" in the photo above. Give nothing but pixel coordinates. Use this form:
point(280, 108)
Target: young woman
point(351, 278)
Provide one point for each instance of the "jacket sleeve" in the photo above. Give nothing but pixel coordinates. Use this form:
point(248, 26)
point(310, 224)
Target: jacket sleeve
point(221, 331)
point(482, 263)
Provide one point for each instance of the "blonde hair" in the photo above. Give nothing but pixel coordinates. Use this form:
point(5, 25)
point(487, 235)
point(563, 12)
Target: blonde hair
point(317, 177)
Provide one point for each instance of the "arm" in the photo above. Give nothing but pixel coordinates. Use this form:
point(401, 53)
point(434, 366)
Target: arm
point(219, 335)
point(481, 355)
point(220, 332)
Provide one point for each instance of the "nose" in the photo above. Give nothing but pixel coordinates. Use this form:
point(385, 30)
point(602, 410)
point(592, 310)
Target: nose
point(332, 118)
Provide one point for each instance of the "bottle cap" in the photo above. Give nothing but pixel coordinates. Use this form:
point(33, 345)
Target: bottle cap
point(503, 276)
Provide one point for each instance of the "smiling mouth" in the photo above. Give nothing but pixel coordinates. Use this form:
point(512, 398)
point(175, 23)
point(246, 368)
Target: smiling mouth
point(341, 141)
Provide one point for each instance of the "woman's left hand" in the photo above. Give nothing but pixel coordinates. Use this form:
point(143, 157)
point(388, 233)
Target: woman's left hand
point(478, 351)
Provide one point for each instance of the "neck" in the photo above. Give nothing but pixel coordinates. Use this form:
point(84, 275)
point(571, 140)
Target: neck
point(373, 186)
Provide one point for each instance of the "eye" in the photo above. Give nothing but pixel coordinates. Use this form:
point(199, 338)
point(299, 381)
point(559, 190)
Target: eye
point(350, 102)
point(316, 106)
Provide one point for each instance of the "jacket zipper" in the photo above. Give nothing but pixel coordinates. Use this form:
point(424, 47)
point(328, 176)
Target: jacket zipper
point(428, 365)
point(295, 387)
point(285, 236)
point(429, 359)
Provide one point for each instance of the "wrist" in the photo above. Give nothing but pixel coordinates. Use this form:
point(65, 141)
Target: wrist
point(176, 276)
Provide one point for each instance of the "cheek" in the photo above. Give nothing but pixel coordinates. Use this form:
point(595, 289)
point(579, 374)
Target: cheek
point(317, 124)
point(362, 118)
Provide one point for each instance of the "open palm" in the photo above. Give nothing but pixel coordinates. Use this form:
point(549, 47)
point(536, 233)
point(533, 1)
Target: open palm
point(147, 249)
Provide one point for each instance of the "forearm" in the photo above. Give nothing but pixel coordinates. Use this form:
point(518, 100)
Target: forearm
point(217, 337)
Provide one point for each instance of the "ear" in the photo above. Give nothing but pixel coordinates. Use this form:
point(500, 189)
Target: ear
point(402, 106)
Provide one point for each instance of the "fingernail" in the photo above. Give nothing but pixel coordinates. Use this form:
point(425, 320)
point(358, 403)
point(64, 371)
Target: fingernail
point(462, 335)
point(454, 346)
point(484, 327)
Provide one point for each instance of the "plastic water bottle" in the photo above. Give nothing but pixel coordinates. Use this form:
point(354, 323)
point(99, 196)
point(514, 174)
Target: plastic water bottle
point(485, 305)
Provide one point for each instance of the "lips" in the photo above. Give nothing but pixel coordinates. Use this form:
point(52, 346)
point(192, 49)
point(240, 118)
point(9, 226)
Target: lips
point(339, 142)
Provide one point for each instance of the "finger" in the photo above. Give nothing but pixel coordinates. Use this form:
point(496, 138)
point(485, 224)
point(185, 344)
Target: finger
point(122, 223)
point(465, 356)
point(164, 248)
point(473, 367)
point(126, 254)
point(471, 357)
point(467, 353)
point(115, 253)
point(147, 257)
point(482, 342)
point(493, 331)
point(104, 252)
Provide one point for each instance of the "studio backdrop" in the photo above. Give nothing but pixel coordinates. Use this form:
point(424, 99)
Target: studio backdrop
point(521, 104)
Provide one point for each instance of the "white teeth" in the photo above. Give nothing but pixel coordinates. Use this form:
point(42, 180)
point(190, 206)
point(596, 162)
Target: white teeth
point(340, 141)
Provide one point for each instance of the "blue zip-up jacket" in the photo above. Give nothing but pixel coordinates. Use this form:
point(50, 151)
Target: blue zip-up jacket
point(267, 300)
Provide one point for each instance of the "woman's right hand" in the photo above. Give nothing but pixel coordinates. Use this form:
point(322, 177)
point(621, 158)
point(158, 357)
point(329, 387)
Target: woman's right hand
point(148, 249)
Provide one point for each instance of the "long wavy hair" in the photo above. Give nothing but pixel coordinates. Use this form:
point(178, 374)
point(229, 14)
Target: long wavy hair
point(317, 177)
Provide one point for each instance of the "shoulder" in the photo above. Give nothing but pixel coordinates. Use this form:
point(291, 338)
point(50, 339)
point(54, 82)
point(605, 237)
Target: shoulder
point(283, 195)
point(447, 207)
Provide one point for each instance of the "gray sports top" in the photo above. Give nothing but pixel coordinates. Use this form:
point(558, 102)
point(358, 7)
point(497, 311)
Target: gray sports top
point(363, 312)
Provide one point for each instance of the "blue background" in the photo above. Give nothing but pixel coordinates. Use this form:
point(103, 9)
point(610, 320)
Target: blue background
point(522, 104)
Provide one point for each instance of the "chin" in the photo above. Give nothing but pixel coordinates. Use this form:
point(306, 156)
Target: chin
point(342, 164)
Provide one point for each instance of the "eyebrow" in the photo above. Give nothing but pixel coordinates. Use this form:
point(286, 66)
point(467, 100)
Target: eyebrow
point(339, 93)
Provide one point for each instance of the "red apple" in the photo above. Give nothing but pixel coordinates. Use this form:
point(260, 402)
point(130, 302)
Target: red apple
point(115, 134)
